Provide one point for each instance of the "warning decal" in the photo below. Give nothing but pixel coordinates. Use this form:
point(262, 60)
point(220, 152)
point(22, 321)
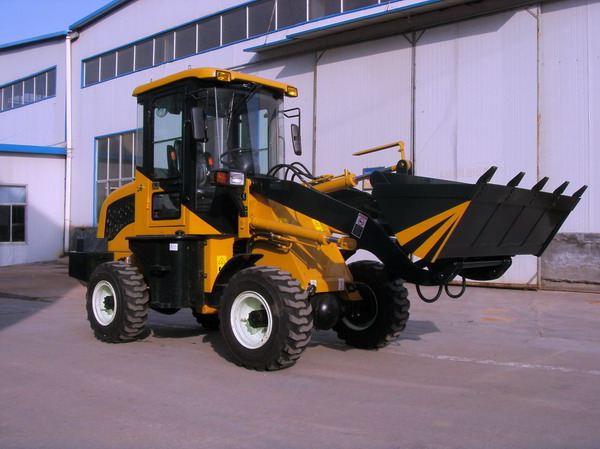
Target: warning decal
point(359, 225)
point(221, 261)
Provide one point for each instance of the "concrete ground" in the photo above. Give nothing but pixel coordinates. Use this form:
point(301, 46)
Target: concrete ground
point(495, 369)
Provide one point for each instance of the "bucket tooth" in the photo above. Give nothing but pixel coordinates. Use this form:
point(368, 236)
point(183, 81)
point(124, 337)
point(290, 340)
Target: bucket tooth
point(561, 188)
point(516, 180)
point(580, 192)
point(487, 176)
point(540, 185)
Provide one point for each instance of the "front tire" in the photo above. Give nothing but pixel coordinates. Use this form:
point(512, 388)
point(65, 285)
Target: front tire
point(266, 319)
point(382, 314)
point(117, 302)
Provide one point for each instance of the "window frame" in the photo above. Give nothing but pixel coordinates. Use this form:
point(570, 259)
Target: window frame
point(17, 89)
point(109, 184)
point(11, 216)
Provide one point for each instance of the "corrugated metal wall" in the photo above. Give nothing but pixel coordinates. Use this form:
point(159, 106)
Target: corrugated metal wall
point(476, 105)
point(570, 104)
point(363, 99)
point(519, 90)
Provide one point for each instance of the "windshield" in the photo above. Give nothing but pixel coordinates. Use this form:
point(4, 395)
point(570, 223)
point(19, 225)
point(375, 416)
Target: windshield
point(243, 128)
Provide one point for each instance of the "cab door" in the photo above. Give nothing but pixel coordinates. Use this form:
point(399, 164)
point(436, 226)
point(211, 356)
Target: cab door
point(166, 141)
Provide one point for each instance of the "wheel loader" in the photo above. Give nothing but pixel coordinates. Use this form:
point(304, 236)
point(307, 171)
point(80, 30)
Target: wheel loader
point(218, 222)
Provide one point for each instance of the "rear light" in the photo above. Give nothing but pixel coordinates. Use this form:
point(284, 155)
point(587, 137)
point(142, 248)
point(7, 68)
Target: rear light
point(230, 178)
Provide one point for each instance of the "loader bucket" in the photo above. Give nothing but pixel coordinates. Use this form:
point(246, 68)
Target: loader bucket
point(436, 219)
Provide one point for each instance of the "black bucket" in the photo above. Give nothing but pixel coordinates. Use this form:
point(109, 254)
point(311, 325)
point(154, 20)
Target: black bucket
point(437, 219)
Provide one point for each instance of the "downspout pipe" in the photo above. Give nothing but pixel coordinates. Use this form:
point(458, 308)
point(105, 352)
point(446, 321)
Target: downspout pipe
point(71, 37)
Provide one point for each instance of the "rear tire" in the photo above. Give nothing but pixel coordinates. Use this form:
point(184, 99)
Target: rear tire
point(266, 319)
point(117, 302)
point(381, 316)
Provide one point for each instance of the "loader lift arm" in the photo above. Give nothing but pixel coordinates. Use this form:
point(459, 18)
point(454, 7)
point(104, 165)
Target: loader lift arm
point(471, 230)
point(371, 237)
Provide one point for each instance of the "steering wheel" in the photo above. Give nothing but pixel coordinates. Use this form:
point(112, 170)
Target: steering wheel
point(229, 157)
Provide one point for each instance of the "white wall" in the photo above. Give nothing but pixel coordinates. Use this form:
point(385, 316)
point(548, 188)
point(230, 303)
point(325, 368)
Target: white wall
point(363, 98)
point(43, 177)
point(476, 106)
point(570, 104)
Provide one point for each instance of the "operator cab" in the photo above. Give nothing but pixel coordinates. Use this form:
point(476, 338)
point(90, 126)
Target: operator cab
point(207, 120)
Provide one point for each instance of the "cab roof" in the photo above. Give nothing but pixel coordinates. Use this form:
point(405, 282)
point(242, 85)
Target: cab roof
point(211, 73)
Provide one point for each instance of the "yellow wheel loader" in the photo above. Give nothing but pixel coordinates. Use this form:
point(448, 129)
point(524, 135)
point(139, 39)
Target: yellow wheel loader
point(218, 222)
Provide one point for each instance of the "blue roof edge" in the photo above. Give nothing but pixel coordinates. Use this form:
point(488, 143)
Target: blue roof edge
point(34, 40)
point(32, 149)
point(98, 14)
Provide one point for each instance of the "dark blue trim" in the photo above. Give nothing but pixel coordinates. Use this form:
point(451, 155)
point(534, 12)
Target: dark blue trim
point(27, 104)
point(33, 40)
point(294, 36)
point(361, 18)
point(32, 149)
point(257, 48)
point(98, 14)
point(116, 134)
point(30, 76)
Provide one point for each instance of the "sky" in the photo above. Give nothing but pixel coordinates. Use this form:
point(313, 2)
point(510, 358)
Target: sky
point(26, 19)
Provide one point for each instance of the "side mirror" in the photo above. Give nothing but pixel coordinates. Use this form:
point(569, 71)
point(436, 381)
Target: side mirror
point(296, 141)
point(199, 125)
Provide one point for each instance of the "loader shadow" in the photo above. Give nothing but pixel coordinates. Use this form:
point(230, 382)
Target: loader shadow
point(414, 331)
point(177, 325)
point(326, 338)
point(161, 326)
point(216, 342)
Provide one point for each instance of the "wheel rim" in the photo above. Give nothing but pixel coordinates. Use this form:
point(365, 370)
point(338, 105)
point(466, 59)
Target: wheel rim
point(362, 313)
point(104, 303)
point(248, 335)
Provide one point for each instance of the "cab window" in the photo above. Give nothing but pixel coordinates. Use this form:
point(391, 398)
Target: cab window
point(167, 137)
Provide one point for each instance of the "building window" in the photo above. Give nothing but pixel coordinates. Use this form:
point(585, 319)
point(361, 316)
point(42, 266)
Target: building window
point(322, 8)
point(185, 41)
point(234, 25)
point(251, 19)
point(108, 66)
point(91, 71)
point(125, 58)
point(163, 48)
point(143, 54)
point(290, 13)
point(209, 33)
point(261, 17)
point(114, 164)
point(350, 5)
point(28, 90)
point(12, 213)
